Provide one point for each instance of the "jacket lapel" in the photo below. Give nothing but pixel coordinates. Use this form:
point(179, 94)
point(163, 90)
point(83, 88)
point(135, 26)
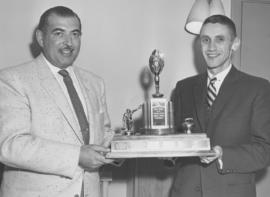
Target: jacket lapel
point(224, 95)
point(199, 92)
point(51, 85)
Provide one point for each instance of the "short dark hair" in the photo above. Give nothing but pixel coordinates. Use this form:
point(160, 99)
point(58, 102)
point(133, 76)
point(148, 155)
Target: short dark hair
point(224, 20)
point(58, 10)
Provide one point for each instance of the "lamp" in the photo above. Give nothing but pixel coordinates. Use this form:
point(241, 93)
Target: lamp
point(200, 10)
point(216, 7)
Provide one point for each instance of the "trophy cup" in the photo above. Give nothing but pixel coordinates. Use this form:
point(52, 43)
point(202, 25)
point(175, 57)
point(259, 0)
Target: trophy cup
point(156, 64)
point(157, 111)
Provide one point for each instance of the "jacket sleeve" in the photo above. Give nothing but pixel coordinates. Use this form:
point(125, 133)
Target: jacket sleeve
point(254, 154)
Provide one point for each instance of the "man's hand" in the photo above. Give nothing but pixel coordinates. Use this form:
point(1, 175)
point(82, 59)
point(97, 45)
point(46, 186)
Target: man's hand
point(218, 155)
point(118, 162)
point(93, 156)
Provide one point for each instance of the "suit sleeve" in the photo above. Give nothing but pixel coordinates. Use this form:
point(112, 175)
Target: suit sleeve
point(254, 155)
point(19, 146)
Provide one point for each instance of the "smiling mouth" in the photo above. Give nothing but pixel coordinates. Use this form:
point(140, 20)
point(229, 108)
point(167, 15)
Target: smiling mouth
point(212, 55)
point(67, 52)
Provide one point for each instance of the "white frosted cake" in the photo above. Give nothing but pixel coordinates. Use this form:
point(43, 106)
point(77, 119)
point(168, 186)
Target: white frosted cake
point(155, 146)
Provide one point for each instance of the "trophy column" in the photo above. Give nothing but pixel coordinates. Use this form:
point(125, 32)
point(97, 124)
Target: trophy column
point(157, 111)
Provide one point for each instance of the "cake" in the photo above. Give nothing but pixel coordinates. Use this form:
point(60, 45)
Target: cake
point(160, 146)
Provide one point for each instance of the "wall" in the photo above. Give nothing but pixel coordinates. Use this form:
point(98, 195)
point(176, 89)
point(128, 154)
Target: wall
point(118, 38)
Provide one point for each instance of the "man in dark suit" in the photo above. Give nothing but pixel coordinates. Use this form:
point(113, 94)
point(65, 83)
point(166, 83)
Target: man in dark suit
point(233, 109)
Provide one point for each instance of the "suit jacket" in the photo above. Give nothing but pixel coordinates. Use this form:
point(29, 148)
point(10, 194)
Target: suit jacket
point(40, 136)
point(238, 121)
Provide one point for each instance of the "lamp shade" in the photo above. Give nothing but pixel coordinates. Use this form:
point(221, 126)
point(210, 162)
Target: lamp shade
point(216, 7)
point(200, 10)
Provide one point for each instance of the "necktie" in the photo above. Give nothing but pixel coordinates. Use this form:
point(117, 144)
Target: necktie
point(211, 92)
point(77, 105)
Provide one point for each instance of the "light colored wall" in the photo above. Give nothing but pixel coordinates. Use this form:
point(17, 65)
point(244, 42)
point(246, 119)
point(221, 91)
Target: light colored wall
point(118, 37)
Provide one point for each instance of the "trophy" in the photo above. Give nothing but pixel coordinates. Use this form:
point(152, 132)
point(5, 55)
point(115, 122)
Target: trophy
point(127, 120)
point(157, 111)
point(157, 137)
point(188, 124)
point(156, 64)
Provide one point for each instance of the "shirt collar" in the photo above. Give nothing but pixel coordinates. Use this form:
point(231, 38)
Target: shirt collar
point(220, 76)
point(55, 69)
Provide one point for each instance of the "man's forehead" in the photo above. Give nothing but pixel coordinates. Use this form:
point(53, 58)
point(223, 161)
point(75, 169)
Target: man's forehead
point(52, 17)
point(56, 21)
point(215, 29)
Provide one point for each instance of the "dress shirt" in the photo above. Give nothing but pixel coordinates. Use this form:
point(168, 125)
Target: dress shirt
point(76, 84)
point(220, 78)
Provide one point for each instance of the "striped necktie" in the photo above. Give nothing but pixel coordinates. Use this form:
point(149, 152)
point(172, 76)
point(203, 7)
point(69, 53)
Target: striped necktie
point(211, 92)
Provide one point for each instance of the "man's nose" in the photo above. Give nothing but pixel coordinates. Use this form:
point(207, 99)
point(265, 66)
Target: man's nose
point(68, 40)
point(212, 45)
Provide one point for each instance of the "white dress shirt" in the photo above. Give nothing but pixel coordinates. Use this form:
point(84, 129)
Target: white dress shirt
point(76, 84)
point(220, 78)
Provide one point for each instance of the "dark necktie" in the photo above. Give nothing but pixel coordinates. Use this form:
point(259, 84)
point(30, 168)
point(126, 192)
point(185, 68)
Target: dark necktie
point(211, 92)
point(77, 105)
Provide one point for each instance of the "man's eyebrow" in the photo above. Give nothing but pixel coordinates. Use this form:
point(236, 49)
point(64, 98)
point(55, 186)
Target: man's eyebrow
point(62, 30)
point(220, 35)
point(204, 36)
point(76, 30)
point(58, 29)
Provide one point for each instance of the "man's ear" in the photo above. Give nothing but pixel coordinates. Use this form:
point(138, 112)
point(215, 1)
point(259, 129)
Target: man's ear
point(236, 44)
point(39, 37)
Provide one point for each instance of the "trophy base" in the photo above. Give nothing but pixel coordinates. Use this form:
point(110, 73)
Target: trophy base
point(175, 145)
point(148, 131)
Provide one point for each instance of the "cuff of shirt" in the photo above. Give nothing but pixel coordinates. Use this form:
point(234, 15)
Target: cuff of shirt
point(220, 163)
point(219, 151)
